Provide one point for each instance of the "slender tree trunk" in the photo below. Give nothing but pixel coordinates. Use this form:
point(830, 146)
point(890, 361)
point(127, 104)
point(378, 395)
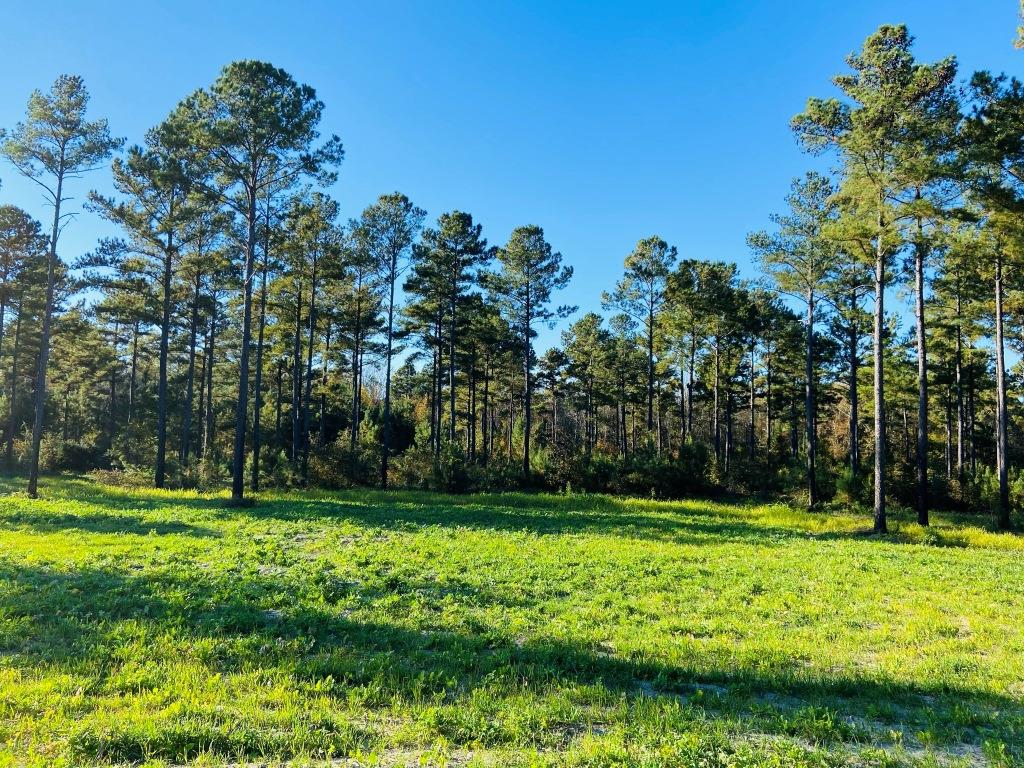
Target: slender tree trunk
point(201, 409)
point(186, 425)
point(971, 414)
point(451, 374)
point(439, 390)
point(728, 426)
point(689, 385)
point(112, 415)
point(356, 357)
point(650, 368)
point(1002, 441)
point(296, 411)
point(715, 430)
point(511, 413)
point(3, 315)
point(794, 429)
point(308, 393)
point(768, 404)
point(471, 408)
point(13, 389)
point(879, 352)
point(484, 431)
point(210, 431)
point(385, 448)
point(812, 438)
point(322, 418)
point(752, 437)
point(432, 399)
point(242, 406)
point(922, 378)
point(257, 410)
point(165, 335)
point(949, 435)
point(278, 437)
point(44, 340)
point(527, 389)
point(132, 373)
point(958, 362)
point(853, 352)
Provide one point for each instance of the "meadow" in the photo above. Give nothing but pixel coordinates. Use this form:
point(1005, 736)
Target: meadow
point(142, 627)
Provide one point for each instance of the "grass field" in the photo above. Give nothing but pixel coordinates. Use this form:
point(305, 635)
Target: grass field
point(162, 628)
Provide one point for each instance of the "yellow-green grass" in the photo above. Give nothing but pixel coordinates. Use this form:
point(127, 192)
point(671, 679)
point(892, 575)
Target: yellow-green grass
point(164, 628)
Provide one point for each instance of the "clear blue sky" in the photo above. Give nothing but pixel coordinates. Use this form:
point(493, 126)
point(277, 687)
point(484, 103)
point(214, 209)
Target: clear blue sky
point(602, 122)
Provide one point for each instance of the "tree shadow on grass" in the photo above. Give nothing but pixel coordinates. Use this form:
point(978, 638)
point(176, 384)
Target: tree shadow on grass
point(541, 516)
point(699, 522)
point(67, 622)
point(99, 522)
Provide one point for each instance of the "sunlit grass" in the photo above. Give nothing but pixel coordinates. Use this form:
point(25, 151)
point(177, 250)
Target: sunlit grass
point(405, 628)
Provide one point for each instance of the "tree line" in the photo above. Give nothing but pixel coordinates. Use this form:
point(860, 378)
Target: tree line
point(234, 329)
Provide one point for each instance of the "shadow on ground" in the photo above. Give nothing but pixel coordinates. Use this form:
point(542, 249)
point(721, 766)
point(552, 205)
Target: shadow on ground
point(67, 621)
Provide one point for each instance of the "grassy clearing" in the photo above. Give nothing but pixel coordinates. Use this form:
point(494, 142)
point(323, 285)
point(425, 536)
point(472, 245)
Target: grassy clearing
point(411, 629)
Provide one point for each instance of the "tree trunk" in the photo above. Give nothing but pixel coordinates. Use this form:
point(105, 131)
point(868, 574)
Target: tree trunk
point(165, 335)
point(879, 352)
point(278, 437)
point(356, 357)
point(812, 438)
point(451, 374)
point(922, 378)
point(1002, 443)
point(321, 435)
point(528, 388)
point(186, 426)
point(949, 435)
point(257, 409)
point(715, 431)
point(471, 410)
point(13, 390)
point(768, 404)
point(958, 362)
point(385, 446)
point(853, 352)
point(650, 369)
point(112, 416)
point(484, 428)
point(752, 437)
point(296, 410)
point(44, 341)
point(242, 406)
point(210, 430)
point(728, 426)
point(308, 392)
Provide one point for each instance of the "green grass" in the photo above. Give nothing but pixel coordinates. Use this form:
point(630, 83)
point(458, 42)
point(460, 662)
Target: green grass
point(162, 628)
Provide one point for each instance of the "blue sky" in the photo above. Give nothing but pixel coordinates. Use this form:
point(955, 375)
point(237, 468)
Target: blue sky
point(602, 122)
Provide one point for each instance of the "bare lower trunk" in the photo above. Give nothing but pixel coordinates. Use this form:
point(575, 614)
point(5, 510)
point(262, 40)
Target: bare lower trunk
point(385, 446)
point(161, 408)
point(1002, 442)
point(922, 382)
point(715, 431)
point(958, 362)
point(210, 430)
point(854, 354)
point(13, 390)
point(296, 411)
point(812, 438)
point(242, 406)
point(879, 382)
point(186, 424)
point(44, 343)
point(308, 392)
point(257, 409)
